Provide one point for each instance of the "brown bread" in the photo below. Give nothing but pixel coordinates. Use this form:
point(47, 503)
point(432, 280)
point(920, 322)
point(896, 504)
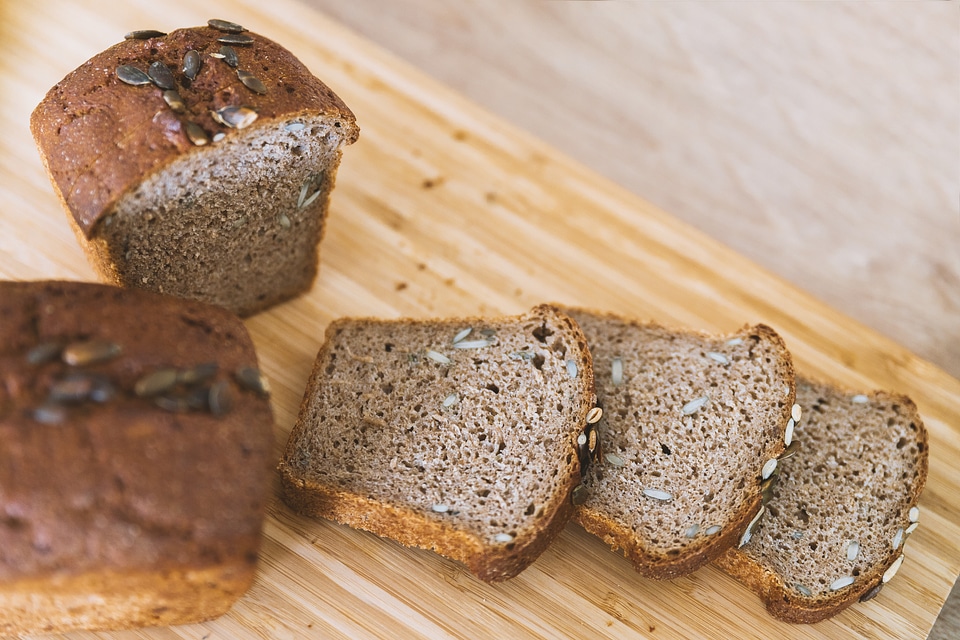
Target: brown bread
point(235, 221)
point(842, 508)
point(464, 444)
point(689, 422)
point(115, 512)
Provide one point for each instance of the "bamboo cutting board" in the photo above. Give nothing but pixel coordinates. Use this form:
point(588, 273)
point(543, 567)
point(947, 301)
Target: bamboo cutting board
point(441, 209)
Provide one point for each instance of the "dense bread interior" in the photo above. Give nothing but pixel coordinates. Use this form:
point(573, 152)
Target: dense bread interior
point(689, 420)
point(468, 423)
point(841, 506)
point(237, 225)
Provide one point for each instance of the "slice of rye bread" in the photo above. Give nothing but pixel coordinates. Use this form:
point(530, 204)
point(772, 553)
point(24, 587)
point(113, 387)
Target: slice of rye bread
point(842, 507)
point(690, 424)
point(463, 443)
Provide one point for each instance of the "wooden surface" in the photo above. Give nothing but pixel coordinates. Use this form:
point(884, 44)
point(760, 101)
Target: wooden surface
point(442, 209)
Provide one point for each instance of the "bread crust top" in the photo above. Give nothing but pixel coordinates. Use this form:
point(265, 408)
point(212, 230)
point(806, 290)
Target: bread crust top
point(99, 136)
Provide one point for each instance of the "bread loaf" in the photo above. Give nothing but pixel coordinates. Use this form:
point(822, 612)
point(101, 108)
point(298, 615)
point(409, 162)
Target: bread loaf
point(842, 508)
point(692, 424)
point(135, 443)
point(462, 436)
point(197, 164)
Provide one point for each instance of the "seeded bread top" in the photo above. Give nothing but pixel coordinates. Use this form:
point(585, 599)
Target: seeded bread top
point(470, 425)
point(99, 136)
point(843, 506)
point(93, 473)
point(689, 422)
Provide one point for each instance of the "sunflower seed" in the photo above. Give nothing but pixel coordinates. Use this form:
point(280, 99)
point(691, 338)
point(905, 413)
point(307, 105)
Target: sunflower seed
point(235, 117)
point(789, 451)
point(580, 494)
point(796, 535)
point(172, 404)
point(613, 459)
point(218, 56)
point(892, 571)
point(616, 372)
point(199, 373)
point(217, 137)
point(898, 538)
point(657, 494)
point(712, 530)
point(309, 201)
point(294, 126)
point(251, 378)
point(191, 64)
point(440, 508)
point(224, 25)
point(79, 354)
point(788, 432)
point(470, 344)
point(748, 532)
point(235, 39)
point(572, 368)
point(155, 383)
point(161, 76)
point(251, 82)
point(504, 537)
point(733, 342)
point(522, 355)
point(695, 405)
point(450, 400)
point(49, 414)
point(196, 134)
point(44, 352)
point(911, 528)
point(229, 55)
point(131, 75)
point(853, 550)
point(872, 593)
point(692, 531)
point(143, 34)
point(174, 101)
point(718, 357)
point(594, 415)
point(768, 468)
point(462, 334)
point(438, 357)
point(842, 583)
point(802, 589)
point(220, 398)
point(582, 439)
point(198, 399)
point(72, 388)
point(860, 399)
point(914, 514)
point(796, 413)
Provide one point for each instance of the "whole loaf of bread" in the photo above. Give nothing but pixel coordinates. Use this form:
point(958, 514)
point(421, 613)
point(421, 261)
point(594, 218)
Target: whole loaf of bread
point(197, 163)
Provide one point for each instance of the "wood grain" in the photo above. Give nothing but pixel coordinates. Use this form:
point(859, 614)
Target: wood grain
point(443, 209)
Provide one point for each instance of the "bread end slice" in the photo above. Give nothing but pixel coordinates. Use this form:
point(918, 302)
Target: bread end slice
point(463, 442)
point(842, 508)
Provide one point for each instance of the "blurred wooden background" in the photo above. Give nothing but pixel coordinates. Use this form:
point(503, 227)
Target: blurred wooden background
point(821, 140)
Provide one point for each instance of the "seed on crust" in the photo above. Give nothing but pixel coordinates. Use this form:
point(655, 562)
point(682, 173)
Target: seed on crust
point(129, 74)
point(872, 593)
point(790, 450)
point(191, 64)
point(143, 34)
point(161, 75)
point(156, 382)
point(252, 379)
point(860, 399)
point(174, 101)
point(438, 357)
point(199, 373)
point(503, 537)
point(49, 413)
point(220, 398)
point(80, 354)
point(580, 494)
point(75, 387)
point(196, 134)
point(236, 117)
point(229, 55)
point(748, 532)
point(44, 352)
point(235, 38)
point(225, 25)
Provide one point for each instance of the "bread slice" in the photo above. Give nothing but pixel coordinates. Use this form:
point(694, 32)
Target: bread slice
point(459, 436)
point(842, 507)
point(209, 181)
point(691, 422)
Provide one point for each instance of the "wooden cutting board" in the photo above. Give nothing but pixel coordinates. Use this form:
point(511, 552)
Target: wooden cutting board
point(441, 209)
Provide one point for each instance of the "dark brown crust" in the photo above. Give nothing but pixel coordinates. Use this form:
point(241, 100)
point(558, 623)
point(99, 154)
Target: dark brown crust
point(787, 605)
point(660, 567)
point(125, 488)
point(99, 137)
point(490, 564)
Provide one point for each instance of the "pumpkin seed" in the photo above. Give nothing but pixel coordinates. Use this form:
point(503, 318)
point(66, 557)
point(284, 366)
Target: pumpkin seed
point(229, 55)
point(220, 398)
point(174, 101)
point(768, 468)
point(438, 357)
point(155, 383)
point(173, 404)
point(102, 391)
point(251, 82)
point(79, 354)
point(198, 374)
point(842, 583)
point(196, 134)
point(613, 459)
point(225, 25)
point(695, 405)
point(789, 451)
point(251, 378)
point(143, 34)
point(284, 220)
point(235, 38)
point(161, 75)
point(462, 334)
point(572, 368)
point(860, 399)
point(692, 531)
point(872, 593)
point(131, 75)
point(75, 387)
point(49, 413)
point(580, 494)
point(853, 550)
point(748, 532)
point(235, 117)
point(44, 352)
point(658, 494)
point(191, 64)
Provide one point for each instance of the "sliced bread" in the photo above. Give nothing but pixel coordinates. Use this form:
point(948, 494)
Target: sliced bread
point(692, 423)
point(459, 436)
point(842, 508)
